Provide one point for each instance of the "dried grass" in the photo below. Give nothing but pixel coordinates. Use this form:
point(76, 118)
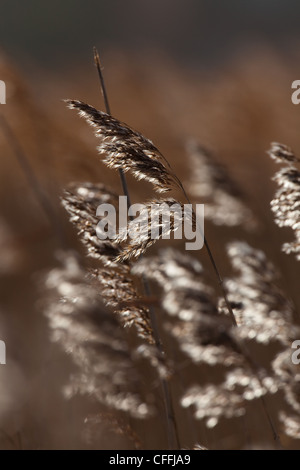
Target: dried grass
point(99, 346)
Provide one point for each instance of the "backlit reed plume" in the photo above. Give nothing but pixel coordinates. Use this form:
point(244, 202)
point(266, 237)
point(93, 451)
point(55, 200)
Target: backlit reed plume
point(81, 201)
point(282, 153)
point(290, 424)
point(93, 428)
point(210, 183)
point(116, 286)
point(262, 311)
point(157, 219)
point(286, 203)
point(228, 399)
point(289, 379)
point(126, 149)
point(93, 338)
point(118, 292)
point(135, 156)
point(203, 335)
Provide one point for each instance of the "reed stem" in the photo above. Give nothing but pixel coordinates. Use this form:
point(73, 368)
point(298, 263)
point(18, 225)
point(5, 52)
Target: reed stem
point(172, 431)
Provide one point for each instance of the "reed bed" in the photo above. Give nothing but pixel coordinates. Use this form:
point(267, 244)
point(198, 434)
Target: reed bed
point(142, 343)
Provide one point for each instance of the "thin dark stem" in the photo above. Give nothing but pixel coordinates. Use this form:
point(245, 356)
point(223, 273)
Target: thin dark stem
point(152, 315)
point(172, 431)
point(101, 78)
point(220, 279)
point(271, 424)
point(246, 354)
point(208, 249)
point(32, 180)
point(126, 192)
point(212, 260)
point(107, 108)
point(221, 283)
point(256, 370)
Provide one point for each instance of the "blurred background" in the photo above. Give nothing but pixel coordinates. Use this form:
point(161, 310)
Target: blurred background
point(192, 31)
point(220, 72)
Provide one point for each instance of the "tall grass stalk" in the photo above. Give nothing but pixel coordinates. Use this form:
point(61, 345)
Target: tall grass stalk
point(172, 431)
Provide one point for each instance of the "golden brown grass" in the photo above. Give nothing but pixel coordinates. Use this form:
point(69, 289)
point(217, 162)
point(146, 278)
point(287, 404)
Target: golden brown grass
point(237, 112)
